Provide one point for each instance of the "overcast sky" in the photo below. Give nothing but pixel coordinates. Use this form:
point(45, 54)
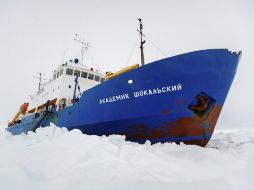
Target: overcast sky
point(35, 34)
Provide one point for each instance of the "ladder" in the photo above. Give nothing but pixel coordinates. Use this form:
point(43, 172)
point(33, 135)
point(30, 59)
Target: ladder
point(37, 123)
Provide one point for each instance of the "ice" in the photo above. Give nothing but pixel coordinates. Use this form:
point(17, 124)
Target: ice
point(54, 158)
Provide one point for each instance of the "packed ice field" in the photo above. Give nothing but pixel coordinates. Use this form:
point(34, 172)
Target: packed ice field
point(54, 158)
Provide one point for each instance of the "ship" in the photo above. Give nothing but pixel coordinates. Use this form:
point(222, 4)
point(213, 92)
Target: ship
point(176, 99)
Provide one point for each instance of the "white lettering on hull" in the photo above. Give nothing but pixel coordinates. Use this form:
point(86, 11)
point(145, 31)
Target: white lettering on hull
point(146, 92)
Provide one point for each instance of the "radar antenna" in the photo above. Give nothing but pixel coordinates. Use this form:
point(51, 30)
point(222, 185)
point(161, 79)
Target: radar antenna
point(84, 46)
point(141, 41)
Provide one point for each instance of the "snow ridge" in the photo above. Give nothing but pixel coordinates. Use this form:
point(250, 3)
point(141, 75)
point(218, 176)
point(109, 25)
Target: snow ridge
point(54, 158)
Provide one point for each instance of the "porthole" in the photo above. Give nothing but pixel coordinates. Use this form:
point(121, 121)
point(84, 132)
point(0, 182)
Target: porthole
point(130, 81)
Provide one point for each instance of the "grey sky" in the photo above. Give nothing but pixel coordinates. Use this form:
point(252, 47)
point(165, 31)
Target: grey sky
point(34, 35)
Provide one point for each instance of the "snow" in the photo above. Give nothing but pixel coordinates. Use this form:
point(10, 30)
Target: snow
point(54, 158)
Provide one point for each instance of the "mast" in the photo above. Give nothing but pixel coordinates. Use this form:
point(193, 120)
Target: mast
point(141, 41)
point(40, 79)
point(84, 47)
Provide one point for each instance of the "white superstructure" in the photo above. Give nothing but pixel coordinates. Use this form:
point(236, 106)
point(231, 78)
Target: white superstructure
point(62, 83)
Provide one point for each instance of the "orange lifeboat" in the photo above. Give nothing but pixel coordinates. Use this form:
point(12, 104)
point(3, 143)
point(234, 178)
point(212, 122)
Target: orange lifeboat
point(22, 110)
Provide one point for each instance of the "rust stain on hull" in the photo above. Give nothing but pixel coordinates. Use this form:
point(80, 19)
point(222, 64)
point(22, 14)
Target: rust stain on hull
point(183, 127)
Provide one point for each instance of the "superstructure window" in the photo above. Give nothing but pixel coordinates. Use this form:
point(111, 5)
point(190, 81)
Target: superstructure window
point(61, 72)
point(77, 73)
point(84, 74)
point(69, 71)
point(102, 79)
point(97, 78)
point(58, 75)
point(54, 77)
point(90, 76)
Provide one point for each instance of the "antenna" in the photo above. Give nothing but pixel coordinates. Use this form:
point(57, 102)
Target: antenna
point(64, 54)
point(141, 41)
point(84, 46)
point(40, 79)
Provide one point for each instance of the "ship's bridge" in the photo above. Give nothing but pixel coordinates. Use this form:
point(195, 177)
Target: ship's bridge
point(62, 83)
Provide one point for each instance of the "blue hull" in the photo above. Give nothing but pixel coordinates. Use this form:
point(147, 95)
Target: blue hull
point(177, 99)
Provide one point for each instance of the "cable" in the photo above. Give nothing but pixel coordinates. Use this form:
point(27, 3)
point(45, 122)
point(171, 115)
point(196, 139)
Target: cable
point(131, 52)
point(162, 52)
point(156, 53)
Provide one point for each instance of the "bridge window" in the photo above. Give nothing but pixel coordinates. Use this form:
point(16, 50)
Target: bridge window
point(69, 71)
point(54, 77)
point(77, 73)
point(102, 79)
point(84, 74)
point(90, 76)
point(57, 74)
point(97, 78)
point(61, 72)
